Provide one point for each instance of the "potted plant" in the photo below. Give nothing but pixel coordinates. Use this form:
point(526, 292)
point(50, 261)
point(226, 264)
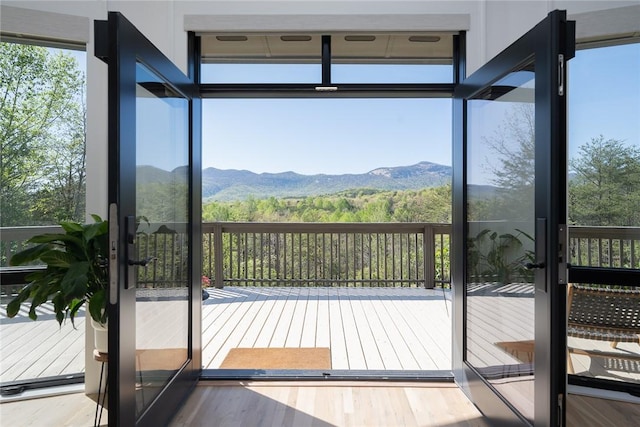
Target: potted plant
point(500, 257)
point(206, 282)
point(75, 274)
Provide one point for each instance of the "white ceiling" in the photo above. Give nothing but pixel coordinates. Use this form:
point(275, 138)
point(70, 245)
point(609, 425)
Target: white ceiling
point(411, 48)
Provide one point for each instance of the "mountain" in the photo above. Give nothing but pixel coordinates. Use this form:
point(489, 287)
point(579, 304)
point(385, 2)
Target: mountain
point(225, 185)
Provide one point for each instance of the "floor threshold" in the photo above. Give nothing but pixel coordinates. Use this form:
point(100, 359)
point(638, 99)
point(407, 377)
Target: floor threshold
point(325, 375)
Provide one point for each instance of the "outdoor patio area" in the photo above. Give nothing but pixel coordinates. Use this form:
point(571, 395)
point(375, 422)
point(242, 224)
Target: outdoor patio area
point(382, 329)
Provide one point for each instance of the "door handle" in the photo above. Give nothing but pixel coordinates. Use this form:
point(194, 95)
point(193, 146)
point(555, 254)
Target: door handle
point(534, 265)
point(541, 253)
point(142, 262)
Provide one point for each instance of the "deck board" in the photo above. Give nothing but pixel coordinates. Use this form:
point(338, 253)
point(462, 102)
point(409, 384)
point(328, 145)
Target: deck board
point(323, 334)
point(235, 319)
point(373, 359)
point(310, 321)
point(353, 341)
point(294, 333)
point(339, 359)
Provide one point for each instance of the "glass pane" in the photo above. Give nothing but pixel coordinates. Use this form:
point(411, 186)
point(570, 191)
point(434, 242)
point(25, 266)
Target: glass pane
point(391, 73)
point(500, 221)
point(604, 143)
point(282, 135)
point(261, 73)
point(604, 192)
point(42, 182)
point(255, 58)
point(392, 58)
point(162, 215)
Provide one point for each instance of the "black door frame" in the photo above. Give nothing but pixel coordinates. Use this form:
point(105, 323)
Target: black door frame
point(552, 37)
point(121, 45)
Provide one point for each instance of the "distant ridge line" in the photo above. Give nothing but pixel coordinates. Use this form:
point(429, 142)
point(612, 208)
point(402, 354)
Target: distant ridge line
point(234, 184)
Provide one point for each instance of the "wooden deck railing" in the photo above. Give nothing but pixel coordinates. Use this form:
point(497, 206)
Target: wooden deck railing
point(14, 239)
point(326, 254)
point(614, 247)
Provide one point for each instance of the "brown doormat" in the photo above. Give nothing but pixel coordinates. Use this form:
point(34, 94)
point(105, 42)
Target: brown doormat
point(521, 350)
point(161, 359)
point(278, 358)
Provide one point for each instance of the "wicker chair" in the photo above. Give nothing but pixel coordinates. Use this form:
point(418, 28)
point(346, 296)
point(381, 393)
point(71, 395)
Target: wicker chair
point(605, 314)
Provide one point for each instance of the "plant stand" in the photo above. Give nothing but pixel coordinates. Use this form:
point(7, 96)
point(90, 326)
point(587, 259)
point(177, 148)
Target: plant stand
point(103, 358)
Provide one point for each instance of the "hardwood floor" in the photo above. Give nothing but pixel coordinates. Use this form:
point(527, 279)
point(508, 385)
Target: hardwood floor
point(69, 410)
point(328, 404)
point(341, 404)
point(583, 411)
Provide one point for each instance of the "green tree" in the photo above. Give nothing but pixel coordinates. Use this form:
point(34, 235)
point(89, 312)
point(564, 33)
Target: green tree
point(426, 205)
point(605, 190)
point(513, 145)
point(42, 136)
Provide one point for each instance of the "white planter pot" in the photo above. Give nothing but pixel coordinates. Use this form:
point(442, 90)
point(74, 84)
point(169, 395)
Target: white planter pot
point(100, 336)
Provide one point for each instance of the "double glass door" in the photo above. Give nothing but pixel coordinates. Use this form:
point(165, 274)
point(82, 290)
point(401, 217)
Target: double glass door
point(509, 265)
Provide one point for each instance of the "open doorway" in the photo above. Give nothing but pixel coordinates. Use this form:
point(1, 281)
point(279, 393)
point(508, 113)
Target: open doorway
point(327, 204)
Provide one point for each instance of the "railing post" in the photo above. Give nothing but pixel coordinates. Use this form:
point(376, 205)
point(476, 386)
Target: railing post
point(217, 256)
point(429, 251)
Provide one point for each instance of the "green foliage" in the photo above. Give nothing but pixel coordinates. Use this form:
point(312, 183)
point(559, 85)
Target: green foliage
point(76, 271)
point(512, 173)
point(42, 136)
point(364, 205)
point(499, 257)
point(427, 205)
point(606, 188)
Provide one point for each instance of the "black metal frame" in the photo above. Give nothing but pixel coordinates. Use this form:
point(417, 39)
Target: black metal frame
point(338, 90)
point(121, 45)
point(349, 90)
point(11, 388)
point(352, 90)
point(543, 44)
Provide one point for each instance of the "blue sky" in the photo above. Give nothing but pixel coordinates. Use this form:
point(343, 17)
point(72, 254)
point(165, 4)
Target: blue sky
point(356, 135)
point(325, 135)
point(604, 95)
point(330, 136)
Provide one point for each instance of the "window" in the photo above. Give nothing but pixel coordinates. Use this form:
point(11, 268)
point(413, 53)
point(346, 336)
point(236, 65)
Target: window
point(392, 58)
point(371, 58)
point(604, 195)
point(42, 137)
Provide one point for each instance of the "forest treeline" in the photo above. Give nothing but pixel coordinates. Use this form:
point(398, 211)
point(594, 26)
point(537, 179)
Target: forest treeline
point(361, 205)
point(42, 136)
point(604, 190)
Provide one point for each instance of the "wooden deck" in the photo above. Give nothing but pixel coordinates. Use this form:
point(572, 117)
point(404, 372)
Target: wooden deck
point(365, 328)
point(39, 349)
